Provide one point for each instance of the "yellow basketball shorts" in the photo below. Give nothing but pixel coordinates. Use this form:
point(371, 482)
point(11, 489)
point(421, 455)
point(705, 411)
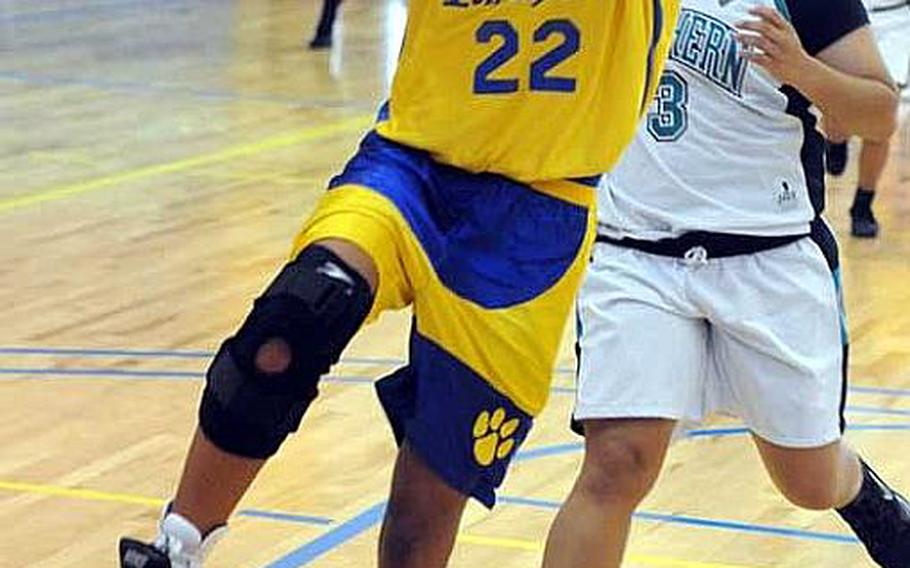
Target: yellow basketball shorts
point(491, 267)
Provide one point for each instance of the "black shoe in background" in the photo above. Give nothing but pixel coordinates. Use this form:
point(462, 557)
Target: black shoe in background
point(321, 42)
point(863, 224)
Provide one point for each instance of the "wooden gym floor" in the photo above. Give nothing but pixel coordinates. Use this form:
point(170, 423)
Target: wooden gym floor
point(156, 158)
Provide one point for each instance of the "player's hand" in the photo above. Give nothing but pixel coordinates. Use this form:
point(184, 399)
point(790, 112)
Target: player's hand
point(772, 43)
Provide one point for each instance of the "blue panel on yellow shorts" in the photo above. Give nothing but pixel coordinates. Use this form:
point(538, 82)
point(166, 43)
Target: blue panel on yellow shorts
point(385, 113)
point(491, 240)
point(462, 428)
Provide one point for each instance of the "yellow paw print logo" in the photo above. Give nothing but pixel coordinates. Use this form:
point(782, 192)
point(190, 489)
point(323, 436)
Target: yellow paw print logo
point(493, 436)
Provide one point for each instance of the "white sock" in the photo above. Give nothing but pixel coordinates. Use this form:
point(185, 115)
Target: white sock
point(183, 542)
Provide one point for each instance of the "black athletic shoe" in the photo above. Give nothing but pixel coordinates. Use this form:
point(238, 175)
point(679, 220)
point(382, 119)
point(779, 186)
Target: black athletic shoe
point(836, 158)
point(880, 517)
point(135, 554)
point(865, 226)
point(321, 42)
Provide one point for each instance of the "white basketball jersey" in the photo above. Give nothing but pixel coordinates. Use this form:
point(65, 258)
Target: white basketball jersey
point(724, 148)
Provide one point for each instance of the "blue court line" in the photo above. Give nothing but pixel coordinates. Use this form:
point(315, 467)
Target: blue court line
point(390, 361)
point(530, 454)
point(856, 389)
point(878, 410)
point(132, 373)
point(284, 517)
point(161, 354)
point(62, 351)
point(378, 361)
point(701, 522)
point(717, 432)
point(204, 354)
point(156, 90)
point(151, 375)
point(720, 432)
point(880, 390)
point(738, 431)
point(369, 518)
point(83, 10)
point(878, 427)
point(571, 448)
point(332, 538)
point(548, 451)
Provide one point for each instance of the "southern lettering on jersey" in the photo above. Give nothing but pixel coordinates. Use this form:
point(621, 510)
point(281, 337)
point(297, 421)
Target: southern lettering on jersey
point(487, 3)
point(726, 148)
point(709, 47)
point(728, 139)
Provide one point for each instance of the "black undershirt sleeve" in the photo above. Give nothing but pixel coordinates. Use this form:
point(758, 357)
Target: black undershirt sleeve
point(821, 23)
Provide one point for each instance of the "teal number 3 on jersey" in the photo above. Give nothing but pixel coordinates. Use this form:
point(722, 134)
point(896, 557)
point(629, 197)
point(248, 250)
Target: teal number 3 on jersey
point(670, 118)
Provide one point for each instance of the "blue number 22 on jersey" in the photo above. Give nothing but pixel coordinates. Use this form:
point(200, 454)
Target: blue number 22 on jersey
point(540, 79)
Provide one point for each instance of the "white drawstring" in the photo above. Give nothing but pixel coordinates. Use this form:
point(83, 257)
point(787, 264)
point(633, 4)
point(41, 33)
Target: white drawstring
point(696, 256)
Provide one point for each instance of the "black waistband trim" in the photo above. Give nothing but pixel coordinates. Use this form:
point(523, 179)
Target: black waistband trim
point(704, 245)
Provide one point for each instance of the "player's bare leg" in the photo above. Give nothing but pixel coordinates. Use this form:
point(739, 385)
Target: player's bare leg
point(872, 161)
point(834, 477)
point(622, 461)
point(208, 467)
point(258, 388)
point(422, 517)
point(818, 478)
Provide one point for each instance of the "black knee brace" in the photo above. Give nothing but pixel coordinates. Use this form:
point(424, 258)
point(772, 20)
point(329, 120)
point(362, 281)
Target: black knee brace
point(314, 306)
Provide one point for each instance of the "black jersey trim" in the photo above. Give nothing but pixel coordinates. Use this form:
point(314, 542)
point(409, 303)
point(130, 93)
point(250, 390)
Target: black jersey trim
point(657, 32)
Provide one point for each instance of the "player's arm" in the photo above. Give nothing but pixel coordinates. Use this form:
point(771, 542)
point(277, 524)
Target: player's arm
point(847, 79)
point(857, 55)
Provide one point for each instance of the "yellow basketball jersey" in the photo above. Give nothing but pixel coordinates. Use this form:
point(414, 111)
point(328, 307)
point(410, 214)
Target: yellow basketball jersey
point(531, 89)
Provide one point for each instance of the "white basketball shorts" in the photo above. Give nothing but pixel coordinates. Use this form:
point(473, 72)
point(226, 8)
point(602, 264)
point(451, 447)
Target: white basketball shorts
point(758, 336)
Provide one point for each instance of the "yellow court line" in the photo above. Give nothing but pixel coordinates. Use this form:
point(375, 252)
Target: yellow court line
point(242, 150)
point(85, 494)
point(641, 559)
point(513, 543)
point(669, 562)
